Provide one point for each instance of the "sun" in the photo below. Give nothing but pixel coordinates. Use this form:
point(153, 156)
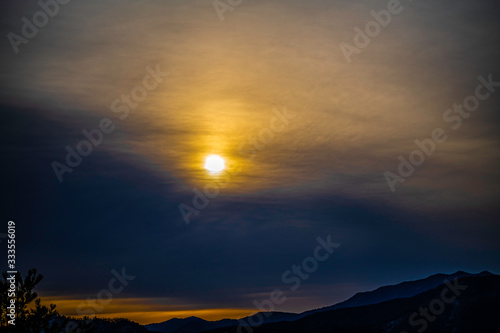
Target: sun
point(214, 163)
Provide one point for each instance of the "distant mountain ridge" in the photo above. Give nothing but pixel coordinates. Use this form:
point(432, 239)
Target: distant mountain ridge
point(404, 290)
point(190, 324)
point(195, 324)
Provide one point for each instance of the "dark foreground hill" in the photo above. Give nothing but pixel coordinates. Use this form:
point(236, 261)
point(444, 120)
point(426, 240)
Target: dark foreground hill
point(464, 305)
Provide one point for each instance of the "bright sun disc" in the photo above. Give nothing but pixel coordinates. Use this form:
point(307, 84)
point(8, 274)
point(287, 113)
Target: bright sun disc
point(214, 163)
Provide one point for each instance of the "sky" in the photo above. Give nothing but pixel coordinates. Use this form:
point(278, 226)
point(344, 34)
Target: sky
point(312, 118)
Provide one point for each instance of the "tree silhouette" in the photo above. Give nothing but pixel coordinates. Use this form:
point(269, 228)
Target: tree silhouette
point(31, 315)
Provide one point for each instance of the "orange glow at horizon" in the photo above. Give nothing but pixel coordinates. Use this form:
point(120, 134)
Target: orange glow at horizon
point(144, 318)
point(143, 311)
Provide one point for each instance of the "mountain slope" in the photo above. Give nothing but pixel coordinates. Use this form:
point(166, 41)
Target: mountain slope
point(400, 290)
point(474, 310)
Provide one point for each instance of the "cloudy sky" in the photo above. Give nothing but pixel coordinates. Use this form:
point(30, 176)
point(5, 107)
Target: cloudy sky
point(308, 136)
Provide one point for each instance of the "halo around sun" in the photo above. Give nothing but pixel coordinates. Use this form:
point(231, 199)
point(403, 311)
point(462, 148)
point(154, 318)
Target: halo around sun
point(214, 163)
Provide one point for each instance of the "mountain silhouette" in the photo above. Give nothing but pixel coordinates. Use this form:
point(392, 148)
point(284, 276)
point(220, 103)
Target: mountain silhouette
point(474, 310)
point(194, 324)
point(400, 290)
point(385, 309)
